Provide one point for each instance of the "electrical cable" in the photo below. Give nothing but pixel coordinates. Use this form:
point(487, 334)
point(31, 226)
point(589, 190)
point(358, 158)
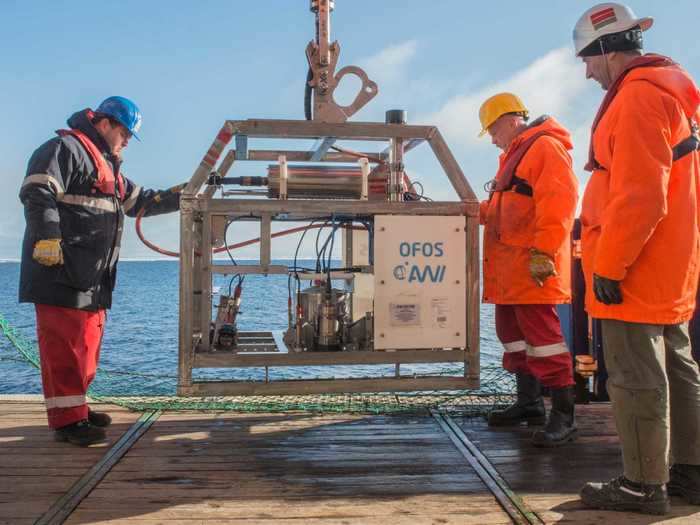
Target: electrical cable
point(233, 261)
point(296, 255)
point(330, 251)
point(417, 196)
point(321, 258)
point(422, 190)
point(234, 246)
point(307, 95)
point(318, 253)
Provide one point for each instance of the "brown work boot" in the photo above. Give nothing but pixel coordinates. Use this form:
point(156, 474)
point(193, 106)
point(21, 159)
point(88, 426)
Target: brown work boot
point(99, 419)
point(81, 433)
point(625, 495)
point(560, 427)
point(685, 482)
point(528, 408)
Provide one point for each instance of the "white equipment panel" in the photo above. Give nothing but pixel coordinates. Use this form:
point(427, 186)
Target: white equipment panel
point(419, 282)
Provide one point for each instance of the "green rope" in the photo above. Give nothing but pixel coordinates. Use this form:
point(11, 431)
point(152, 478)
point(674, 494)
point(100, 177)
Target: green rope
point(497, 389)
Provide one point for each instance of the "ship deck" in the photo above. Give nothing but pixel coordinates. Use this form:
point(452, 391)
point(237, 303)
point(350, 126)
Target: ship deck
point(225, 467)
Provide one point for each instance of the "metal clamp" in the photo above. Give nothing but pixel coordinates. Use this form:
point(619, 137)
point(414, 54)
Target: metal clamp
point(323, 58)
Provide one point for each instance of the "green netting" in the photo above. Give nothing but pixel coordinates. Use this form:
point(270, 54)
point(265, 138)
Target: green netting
point(497, 389)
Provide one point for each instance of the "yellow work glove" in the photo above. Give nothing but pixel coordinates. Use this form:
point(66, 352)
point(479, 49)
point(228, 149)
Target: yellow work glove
point(48, 252)
point(541, 266)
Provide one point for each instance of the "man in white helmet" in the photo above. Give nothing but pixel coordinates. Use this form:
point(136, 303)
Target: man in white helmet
point(640, 254)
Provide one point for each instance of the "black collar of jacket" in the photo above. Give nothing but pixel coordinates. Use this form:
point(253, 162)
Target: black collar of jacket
point(538, 121)
point(81, 122)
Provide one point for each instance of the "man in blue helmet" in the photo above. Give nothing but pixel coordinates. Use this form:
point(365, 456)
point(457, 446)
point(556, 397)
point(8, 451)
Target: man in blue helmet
point(75, 199)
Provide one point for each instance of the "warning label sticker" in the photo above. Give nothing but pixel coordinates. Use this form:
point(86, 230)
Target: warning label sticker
point(404, 314)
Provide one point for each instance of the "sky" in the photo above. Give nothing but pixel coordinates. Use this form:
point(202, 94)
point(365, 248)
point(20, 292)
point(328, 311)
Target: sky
point(192, 65)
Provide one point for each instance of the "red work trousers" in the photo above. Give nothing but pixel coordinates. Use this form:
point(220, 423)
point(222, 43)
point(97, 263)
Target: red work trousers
point(69, 348)
point(533, 342)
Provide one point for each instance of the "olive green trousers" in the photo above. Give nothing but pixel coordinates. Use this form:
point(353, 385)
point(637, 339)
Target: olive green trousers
point(654, 385)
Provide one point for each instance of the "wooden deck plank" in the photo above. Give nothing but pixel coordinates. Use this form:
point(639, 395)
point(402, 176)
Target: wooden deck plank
point(225, 468)
point(441, 519)
point(549, 480)
point(34, 469)
point(305, 469)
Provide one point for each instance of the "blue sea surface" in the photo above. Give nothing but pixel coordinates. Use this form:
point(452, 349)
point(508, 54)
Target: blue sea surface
point(139, 351)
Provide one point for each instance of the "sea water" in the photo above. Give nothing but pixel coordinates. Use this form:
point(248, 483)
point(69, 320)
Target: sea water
point(139, 351)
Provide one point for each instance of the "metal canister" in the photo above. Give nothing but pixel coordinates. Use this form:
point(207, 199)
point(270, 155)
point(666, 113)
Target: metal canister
point(328, 337)
point(317, 182)
point(324, 312)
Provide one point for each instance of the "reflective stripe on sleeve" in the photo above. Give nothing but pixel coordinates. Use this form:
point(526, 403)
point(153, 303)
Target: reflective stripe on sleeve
point(515, 346)
point(547, 350)
point(44, 179)
point(65, 401)
point(96, 203)
point(131, 201)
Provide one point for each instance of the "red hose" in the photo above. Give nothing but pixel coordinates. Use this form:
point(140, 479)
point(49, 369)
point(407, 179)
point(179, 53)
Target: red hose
point(241, 244)
point(148, 243)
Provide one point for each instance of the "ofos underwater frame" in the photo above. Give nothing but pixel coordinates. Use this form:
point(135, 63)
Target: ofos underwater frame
point(203, 219)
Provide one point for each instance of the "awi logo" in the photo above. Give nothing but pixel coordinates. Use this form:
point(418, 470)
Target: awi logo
point(412, 273)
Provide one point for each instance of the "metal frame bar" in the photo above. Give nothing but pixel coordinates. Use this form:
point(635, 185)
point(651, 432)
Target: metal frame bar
point(322, 149)
point(311, 129)
point(303, 208)
point(307, 156)
point(324, 386)
point(205, 275)
point(249, 359)
point(197, 267)
point(413, 143)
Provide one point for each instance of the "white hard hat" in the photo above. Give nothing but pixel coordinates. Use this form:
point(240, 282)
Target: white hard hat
point(605, 19)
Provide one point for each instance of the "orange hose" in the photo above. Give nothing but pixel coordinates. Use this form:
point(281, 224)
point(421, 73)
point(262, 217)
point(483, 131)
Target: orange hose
point(241, 244)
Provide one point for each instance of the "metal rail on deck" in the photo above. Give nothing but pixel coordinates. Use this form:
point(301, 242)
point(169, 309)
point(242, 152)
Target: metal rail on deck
point(513, 504)
point(61, 510)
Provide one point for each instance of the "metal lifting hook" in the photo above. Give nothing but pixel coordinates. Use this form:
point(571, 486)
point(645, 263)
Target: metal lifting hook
point(322, 79)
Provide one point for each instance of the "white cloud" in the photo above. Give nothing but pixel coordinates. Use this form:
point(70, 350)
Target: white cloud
point(389, 65)
point(551, 84)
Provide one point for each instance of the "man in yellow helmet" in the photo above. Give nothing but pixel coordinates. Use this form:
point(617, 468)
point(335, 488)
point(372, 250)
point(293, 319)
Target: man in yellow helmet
point(528, 219)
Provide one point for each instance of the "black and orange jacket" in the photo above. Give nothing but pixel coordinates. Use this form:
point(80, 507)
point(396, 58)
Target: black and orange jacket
point(65, 198)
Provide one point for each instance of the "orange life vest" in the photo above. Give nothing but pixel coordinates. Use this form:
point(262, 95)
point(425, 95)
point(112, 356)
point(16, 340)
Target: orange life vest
point(105, 176)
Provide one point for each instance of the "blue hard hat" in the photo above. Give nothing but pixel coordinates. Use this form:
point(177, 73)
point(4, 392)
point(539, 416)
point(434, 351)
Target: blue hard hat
point(123, 111)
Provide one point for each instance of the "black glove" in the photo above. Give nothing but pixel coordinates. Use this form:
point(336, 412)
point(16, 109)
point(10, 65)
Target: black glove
point(606, 290)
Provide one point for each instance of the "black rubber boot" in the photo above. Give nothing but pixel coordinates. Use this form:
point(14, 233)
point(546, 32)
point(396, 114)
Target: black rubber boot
point(560, 427)
point(99, 419)
point(625, 495)
point(81, 433)
point(529, 407)
point(685, 482)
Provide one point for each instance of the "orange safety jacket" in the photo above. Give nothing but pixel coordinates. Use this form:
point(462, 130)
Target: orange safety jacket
point(640, 212)
point(535, 209)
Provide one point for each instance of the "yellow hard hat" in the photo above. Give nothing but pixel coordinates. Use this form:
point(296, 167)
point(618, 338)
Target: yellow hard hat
point(497, 106)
